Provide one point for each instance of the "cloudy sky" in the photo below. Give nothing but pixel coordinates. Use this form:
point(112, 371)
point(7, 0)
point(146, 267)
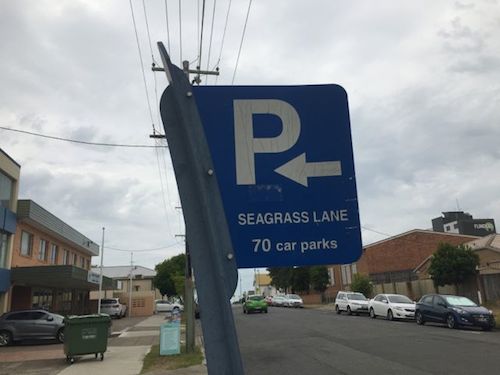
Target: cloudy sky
point(422, 78)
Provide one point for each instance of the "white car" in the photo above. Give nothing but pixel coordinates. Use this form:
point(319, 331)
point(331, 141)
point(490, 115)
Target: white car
point(278, 301)
point(392, 306)
point(113, 307)
point(167, 306)
point(351, 302)
point(293, 300)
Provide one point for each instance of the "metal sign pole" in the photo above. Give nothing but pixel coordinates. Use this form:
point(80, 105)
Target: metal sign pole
point(210, 245)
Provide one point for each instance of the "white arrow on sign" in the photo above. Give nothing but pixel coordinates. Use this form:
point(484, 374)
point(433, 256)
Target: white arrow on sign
point(299, 170)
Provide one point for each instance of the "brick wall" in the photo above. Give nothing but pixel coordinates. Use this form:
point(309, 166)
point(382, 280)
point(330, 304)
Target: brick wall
point(404, 252)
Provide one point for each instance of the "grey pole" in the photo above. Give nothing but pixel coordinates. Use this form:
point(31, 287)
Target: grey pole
point(210, 246)
point(130, 285)
point(100, 276)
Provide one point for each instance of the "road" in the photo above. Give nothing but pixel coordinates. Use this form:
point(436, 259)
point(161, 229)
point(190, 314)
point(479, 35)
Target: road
point(317, 342)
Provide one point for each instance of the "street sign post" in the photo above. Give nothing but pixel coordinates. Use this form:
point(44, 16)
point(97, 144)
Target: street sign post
point(284, 163)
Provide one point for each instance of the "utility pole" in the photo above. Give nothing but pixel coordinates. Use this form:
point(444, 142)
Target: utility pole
point(130, 285)
point(100, 276)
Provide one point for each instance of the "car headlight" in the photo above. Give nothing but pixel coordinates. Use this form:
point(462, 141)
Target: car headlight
point(458, 310)
point(398, 308)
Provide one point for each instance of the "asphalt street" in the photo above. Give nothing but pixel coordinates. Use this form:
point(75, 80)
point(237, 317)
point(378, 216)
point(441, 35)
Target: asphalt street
point(307, 341)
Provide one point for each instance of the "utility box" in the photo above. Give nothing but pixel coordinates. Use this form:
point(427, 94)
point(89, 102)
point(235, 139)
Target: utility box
point(170, 338)
point(86, 334)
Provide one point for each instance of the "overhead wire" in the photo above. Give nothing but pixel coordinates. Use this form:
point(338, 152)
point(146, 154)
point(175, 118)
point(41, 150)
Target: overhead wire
point(201, 37)
point(180, 30)
point(79, 141)
point(223, 39)
point(141, 62)
point(211, 37)
point(241, 43)
point(144, 250)
point(168, 27)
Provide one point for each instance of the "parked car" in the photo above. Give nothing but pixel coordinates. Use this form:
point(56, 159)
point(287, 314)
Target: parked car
point(351, 302)
point(391, 306)
point(454, 311)
point(30, 324)
point(113, 307)
point(293, 300)
point(278, 301)
point(254, 303)
point(269, 300)
point(167, 306)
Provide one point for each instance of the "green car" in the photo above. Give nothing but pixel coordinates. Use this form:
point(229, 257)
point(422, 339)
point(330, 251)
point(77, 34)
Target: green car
point(254, 303)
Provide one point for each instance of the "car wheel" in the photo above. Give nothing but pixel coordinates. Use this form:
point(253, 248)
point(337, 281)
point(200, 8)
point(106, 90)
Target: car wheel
point(349, 312)
point(60, 335)
point(451, 322)
point(244, 311)
point(337, 310)
point(390, 315)
point(372, 313)
point(419, 318)
point(5, 338)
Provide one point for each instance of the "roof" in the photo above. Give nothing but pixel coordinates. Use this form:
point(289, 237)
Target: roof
point(427, 231)
point(7, 155)
point(37, 216)
point(123, 272)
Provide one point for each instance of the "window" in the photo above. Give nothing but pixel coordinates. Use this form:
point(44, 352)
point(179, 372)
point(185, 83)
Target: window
point(74, 260)
point(82, 262)
point(88, 264)
point(346, 274)
point(331, 276)
point(5, 190)
point(53, 254)
point(4, 240)
point(42, 252)
point(427, 300)
point(65, 257)
point(26, 243)
point(137, 287)
point(119, 285)
point(354, 268)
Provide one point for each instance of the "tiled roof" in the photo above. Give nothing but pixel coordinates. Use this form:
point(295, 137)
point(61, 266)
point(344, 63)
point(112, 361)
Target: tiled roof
point(123, 272)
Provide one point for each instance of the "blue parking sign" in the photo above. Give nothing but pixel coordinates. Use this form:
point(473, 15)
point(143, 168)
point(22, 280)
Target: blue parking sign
point(284, 164)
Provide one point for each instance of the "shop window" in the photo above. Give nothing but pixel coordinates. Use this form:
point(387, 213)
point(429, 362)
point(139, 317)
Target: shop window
point(5, 190)
point(26, 243)
point(42, 253)
point(53, 254)
point(41, 299)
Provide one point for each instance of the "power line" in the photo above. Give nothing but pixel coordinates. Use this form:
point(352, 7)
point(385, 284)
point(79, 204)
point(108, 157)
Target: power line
point(223, 38)
point(142, 63)
point(168, 28)
point(211, 36)
point(180, 29)
point(144, 250)
point(241, 43)
point(79, 141)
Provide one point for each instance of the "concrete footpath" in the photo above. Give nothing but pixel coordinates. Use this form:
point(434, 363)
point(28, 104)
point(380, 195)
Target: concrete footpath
point(126, 351)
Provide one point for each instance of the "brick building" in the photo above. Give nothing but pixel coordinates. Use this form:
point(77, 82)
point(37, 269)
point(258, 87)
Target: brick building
point(392, 260)
point(50, 263)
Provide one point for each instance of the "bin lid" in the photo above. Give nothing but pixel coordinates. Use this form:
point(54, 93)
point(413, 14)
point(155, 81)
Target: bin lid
point(87, 318)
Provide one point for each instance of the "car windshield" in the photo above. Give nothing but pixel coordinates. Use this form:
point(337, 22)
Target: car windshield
point(399, 299)
point(358, 297)
point(256, 298)
point(108, 301)
point(459, 301)
point(293, 296)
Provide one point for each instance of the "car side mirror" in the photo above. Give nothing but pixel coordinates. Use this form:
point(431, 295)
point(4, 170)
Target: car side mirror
point(50, 318)
point(384, 301)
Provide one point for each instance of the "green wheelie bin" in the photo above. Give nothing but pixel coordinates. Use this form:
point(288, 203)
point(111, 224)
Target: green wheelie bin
point(86, 334)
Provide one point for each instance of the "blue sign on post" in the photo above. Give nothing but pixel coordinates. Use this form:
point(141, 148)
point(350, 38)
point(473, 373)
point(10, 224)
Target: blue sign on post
point(170, 338)
point(284, 163)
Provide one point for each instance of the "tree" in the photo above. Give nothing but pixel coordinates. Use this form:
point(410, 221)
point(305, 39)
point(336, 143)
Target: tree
point(301, 279)
point(361, 283)
point(168, 274)
point(281, 277)
point(319, 278)
point(452, 265)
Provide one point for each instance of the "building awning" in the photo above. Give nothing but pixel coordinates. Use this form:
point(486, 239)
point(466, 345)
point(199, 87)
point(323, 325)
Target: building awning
point(61, 277)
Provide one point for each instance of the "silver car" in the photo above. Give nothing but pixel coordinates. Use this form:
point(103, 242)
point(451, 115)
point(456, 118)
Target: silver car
point(30, 324)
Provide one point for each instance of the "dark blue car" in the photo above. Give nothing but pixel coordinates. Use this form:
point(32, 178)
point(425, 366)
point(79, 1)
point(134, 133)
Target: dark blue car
point(454, 311)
